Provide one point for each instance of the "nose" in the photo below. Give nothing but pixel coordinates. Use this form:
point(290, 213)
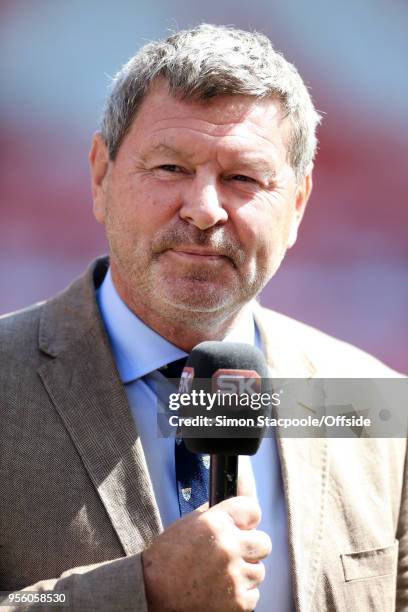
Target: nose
point(202, 204)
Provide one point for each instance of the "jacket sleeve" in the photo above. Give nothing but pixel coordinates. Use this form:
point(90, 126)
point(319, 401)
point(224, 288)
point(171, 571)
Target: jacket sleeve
point(107, 587)
point(402, 536)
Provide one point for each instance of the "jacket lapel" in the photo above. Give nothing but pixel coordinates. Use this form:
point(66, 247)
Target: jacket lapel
point(304, 464)
point(82, 382)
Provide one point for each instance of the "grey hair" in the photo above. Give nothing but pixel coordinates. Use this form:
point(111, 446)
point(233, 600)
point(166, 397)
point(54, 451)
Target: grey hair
point(208, 61)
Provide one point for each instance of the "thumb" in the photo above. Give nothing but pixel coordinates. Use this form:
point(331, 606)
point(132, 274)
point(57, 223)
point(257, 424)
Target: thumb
point(201, 509)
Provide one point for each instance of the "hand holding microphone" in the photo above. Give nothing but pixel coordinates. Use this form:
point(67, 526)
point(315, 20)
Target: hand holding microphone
point(208, 561)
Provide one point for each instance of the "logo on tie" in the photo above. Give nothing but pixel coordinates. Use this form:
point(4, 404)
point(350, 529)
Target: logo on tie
point(186, 493)
point(206, 461)
point(186, 380)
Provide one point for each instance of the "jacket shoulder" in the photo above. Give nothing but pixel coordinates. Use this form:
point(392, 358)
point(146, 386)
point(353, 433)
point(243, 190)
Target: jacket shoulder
point(19, 351)
point(20, 328)
point(329, 356)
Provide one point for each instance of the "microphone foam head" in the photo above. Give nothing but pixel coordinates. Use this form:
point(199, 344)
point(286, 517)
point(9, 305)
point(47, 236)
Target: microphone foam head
point(227, 377)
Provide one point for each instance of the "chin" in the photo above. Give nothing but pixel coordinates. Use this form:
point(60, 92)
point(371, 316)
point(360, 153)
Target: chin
point(201, 298)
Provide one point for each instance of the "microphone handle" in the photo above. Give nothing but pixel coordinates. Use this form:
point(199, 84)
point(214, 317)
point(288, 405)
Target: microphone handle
point(223, 477)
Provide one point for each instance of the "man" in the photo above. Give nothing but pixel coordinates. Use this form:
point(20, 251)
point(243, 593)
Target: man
point(200, 174)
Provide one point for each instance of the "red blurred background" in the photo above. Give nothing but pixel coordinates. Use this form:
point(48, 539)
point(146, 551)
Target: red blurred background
point(347, 274)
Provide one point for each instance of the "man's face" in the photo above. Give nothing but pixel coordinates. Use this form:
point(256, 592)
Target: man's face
point(199, 205)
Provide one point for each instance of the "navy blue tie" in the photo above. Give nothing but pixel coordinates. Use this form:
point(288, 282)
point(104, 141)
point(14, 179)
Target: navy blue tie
point(192, 470)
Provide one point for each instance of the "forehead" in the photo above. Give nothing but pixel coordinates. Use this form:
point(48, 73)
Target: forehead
point(231, 124)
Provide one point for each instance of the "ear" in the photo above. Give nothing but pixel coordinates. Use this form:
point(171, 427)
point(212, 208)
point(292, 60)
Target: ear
point(99, 165)
point(303, 192)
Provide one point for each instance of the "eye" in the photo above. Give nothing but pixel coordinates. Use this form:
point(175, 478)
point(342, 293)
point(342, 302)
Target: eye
point(170, 168)
point(243, 179)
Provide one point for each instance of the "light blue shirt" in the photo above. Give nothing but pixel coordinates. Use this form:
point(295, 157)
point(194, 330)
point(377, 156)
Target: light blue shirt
point(138, 351)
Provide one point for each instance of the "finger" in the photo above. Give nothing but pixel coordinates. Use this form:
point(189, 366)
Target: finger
point(246, 481)
point(251, 599)
point(254, 574)
point(244, 511)
point(255, 545)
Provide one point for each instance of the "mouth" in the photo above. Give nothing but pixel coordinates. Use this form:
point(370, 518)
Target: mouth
point(197, 255)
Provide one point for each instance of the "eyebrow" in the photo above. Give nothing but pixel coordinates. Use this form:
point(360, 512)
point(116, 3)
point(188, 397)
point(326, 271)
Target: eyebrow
point(161, 148)
point(259, 165)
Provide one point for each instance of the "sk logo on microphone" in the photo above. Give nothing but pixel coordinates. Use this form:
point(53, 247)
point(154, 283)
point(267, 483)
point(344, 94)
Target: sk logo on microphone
point(236, 381)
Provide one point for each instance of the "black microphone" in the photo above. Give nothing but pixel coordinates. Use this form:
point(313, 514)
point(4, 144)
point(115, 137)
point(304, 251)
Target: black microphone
point(222, 375)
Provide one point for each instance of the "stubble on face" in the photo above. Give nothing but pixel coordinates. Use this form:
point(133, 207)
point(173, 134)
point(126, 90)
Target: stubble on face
point(193, 294)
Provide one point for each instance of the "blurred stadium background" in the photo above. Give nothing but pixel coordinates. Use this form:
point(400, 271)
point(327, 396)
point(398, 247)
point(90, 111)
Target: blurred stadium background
point(348, 273)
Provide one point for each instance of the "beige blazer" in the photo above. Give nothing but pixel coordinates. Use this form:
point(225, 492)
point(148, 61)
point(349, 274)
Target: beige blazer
point(76, 501)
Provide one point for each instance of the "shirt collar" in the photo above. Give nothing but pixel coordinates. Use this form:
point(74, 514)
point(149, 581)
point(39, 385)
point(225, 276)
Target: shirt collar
point(136, 347)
